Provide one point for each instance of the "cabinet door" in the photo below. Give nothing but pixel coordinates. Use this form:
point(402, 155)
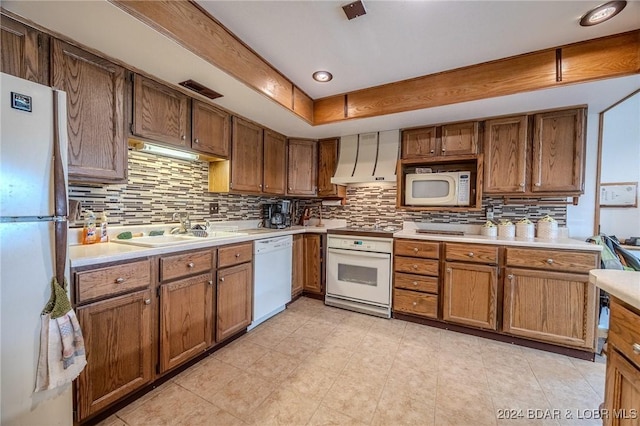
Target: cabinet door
point(117, 335)
point(95, 110)
point(327, 162)
point(505, 155)
point(558, 151)
point(211, 129)
point(470, 295)
point(301, 176)
point(24, 52)
point(186, 320)
point(246, 156)
point(160, 113)
point(622, 391)
point(552, 307)
point(275, 163)
point(419, 143)
point(313, 264)
point(234, 300)
point(297, 273)
point(459, 139)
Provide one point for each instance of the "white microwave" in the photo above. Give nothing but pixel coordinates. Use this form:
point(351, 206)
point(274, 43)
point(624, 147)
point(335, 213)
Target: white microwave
point(438, 189)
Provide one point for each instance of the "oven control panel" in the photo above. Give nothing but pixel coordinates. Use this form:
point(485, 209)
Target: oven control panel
point(378, 245)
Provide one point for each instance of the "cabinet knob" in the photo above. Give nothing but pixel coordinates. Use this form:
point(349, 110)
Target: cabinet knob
point(415, 266)
point(260, 186)
point(537, 184)
point(147, 301)
point(415, 303)
point(449, 270)
point(266, 186)
point(549, 261)
point(510, 276)
point(196, 140)
point(471, 254)
point(636, 348)
point(415, 249)
point(237, 255)
point(222, 279)
point(522, 184)
point(210, 282)
point(183, 137)
point(289, 188)
point(443, 150)
point(415, 283)
point(432, 151)
point(119, 280)
point(190, 265)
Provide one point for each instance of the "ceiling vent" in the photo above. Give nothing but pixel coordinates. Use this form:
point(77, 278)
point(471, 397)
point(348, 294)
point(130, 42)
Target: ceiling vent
point(355, 9)
point(199, 88)
point(369, 157)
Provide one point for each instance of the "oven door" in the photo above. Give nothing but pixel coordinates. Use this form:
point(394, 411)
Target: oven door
point(359, 275)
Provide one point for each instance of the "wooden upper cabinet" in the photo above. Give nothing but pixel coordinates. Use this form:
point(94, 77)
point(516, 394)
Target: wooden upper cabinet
point(301, 176)
point(24, 51)
point(160, 113)
point(95, 109)
point(211, 132)
point(505, 155)
point(327, 162)
point(275, 163)
point(419, 143)
point(459, 139)
point(246, 156)
point(558, 152)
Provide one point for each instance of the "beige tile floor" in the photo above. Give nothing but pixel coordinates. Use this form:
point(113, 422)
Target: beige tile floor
point(317, 365)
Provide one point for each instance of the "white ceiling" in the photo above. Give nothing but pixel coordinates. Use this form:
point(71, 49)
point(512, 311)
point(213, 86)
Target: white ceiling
point(395, 40)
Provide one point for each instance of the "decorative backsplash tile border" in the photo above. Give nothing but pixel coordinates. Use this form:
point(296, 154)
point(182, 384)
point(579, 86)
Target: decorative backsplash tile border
point(159, 186)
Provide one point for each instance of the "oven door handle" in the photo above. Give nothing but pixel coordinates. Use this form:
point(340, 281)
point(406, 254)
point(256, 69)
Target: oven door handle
point(357, 253)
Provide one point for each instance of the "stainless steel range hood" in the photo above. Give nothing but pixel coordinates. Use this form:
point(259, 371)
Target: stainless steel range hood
point(368, 157)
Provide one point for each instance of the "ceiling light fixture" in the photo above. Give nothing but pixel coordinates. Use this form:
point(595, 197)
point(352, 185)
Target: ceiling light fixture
point(322, 76)
point(602, 13)
point(161, 150)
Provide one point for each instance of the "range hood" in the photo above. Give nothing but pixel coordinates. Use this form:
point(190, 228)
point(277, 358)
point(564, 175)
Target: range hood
point(368, 157)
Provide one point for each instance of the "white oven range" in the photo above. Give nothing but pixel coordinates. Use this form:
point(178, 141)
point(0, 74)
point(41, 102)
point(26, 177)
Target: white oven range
point(359, 273)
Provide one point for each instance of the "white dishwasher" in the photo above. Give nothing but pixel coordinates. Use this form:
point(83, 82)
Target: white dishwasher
point(272, 277)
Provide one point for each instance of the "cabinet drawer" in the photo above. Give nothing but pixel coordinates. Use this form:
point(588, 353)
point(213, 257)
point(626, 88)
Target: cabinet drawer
point(552, 260)
point(412, 302)
point(234, 255)
point(416, 248)
point(471, 253)
point(624, 331)
point(112, 280)
point(416, 266)
point(416, 282)
point(185, 264)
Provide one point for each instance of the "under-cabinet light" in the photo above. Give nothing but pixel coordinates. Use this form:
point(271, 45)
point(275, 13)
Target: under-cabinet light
point(167, 152)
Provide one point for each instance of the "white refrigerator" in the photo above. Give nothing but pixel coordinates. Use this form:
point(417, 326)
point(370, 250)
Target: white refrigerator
point(33, 243)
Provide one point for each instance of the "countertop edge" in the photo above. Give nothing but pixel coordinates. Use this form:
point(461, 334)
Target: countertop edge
point(624, 285)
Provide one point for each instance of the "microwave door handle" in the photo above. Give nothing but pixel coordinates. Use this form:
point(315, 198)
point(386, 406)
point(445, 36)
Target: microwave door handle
point(357, 253)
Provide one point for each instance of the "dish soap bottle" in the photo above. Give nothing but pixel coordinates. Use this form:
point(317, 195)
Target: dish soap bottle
point(104, 237)
point(89, 232)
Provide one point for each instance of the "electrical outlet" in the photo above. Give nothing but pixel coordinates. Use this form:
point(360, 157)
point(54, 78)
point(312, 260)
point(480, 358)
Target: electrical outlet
point(489, 213)
point(213, 208)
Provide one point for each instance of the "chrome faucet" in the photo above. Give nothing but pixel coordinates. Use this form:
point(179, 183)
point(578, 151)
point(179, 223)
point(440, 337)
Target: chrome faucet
point(185, 223)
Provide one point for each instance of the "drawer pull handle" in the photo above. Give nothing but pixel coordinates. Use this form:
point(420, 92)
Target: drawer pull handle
point(147, 301)
point(549, 261)
point(119, 280)
point(415, 249)
point(190, 265)
point(471, 254)
point(636, 348)
point(222, 279)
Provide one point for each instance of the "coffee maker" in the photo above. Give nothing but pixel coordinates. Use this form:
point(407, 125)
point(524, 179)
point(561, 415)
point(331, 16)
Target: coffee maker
point(277, 215)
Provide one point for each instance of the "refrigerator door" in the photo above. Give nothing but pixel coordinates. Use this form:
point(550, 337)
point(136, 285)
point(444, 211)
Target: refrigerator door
point(27, 148)
point(26, 268)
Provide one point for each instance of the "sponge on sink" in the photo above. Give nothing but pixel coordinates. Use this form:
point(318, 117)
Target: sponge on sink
point(155, 233)
point(125, 236)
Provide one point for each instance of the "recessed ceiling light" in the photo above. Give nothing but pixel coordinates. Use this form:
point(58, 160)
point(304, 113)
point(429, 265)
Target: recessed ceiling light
point(602, 13)
point(322, 76)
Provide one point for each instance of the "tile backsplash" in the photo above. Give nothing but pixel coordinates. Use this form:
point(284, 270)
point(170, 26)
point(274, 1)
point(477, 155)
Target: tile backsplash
point(158, 187)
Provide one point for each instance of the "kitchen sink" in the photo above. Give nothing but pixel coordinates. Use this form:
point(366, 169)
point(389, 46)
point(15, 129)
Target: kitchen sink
point(172, 240)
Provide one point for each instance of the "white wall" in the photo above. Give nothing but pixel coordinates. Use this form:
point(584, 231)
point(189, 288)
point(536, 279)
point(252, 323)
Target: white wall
point(621, 163)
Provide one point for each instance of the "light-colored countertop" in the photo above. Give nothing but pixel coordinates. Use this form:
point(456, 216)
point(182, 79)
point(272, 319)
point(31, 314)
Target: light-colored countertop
point(95, 254)
point(624, 285)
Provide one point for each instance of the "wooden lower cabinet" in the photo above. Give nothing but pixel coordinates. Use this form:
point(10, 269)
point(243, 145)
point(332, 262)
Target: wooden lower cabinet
point(234, 300)
point(186, 319)
point(313, 264)
point(553, 307)
point(470, 295)
point(117, 335)
point(414, 302)
point(297, 270)
point(622, 391)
